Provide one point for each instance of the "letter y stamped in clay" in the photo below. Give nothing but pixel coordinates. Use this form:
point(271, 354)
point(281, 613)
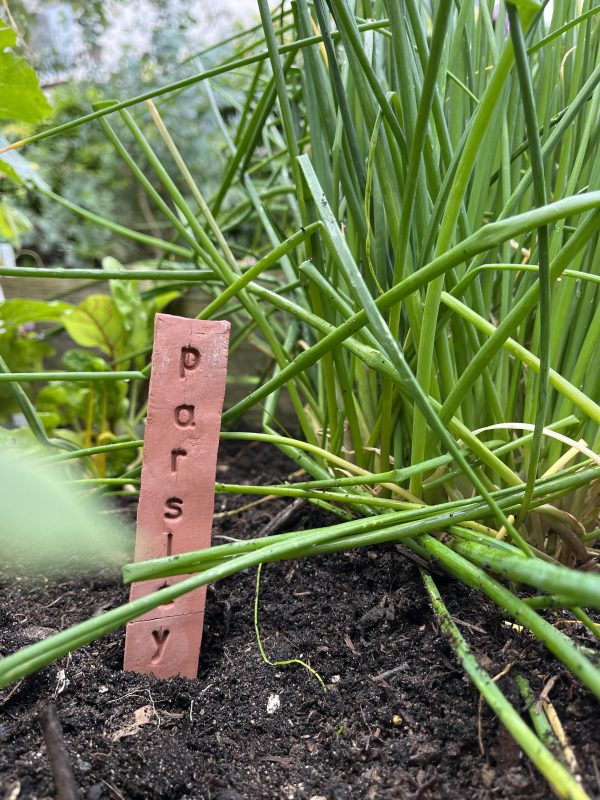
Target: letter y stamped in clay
point(187, 386)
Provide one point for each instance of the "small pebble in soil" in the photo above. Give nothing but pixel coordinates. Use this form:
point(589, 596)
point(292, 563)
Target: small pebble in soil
point(94, 792)
point(372, 618)
point(230, 794)
point(273, 703)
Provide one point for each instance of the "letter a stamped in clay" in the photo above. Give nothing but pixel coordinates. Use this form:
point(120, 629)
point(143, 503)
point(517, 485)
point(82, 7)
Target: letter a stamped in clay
point(187, 386)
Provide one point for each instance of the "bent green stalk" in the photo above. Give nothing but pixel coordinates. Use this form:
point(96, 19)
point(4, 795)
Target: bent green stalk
point(556, 641)
point(366, 532)
point(27, 407)
point(182, 275)
point(561, 781)
point(63, 375)
point(92, 451)
point(538, 717)
point(579, 588)
point(390, 345)
point(228, 66)
point(35, 656)
point(498, 337)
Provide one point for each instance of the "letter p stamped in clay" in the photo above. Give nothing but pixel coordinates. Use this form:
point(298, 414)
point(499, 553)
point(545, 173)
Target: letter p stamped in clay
point(187, 386)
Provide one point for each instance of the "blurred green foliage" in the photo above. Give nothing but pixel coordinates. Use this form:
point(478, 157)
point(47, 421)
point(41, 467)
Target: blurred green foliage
point(84, 168)
point(59, 532)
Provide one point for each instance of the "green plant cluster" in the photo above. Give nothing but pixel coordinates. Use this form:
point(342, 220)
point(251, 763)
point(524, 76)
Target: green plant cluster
point(110, 330)
point(408, 226)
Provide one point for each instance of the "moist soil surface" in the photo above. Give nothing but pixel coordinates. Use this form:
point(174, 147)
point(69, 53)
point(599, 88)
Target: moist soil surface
point(399, 720)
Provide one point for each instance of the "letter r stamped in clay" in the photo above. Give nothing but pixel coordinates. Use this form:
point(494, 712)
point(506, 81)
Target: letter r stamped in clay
point(187, 385)
point(178, 452)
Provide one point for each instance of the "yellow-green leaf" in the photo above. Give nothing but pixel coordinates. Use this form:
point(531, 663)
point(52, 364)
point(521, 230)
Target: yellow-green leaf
point(96, 322)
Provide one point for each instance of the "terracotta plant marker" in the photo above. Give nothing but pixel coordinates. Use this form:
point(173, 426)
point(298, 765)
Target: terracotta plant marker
point(187, 385)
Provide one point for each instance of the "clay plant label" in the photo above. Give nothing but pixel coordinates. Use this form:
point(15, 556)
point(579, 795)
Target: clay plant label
point(187, 385)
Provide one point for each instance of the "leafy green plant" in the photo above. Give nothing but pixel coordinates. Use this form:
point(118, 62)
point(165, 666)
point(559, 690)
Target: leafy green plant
point(417, 194)
point(115, 329)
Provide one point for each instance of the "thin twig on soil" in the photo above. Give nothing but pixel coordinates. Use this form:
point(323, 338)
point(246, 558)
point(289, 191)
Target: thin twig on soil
point(424, 787)
point(289, 514)
point(64, 781)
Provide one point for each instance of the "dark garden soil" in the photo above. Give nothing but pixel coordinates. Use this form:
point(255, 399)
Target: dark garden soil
point(399, 720)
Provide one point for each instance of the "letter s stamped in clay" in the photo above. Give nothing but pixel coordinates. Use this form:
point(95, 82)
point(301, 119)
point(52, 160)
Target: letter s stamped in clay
point(174, 504)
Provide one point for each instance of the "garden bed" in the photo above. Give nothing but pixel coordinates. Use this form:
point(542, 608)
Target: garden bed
point(400, 718)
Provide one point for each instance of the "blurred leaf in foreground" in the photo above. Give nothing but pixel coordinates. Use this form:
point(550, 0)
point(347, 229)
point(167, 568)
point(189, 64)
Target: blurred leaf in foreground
point(46, 528)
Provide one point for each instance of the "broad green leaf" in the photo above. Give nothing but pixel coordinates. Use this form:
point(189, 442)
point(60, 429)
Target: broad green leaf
point(129, 303)
point(127, 298)
point(22, 352)
point(84, 361)
point(75, 401)
point(20, 94)
point(13, 223)
point(68, 399)
point(18, 169)
point(110, 263)
point(131, 306)
point(19, 440)
point(20, 311)
point(96, 322)
point(162, 300)
point(8, 38)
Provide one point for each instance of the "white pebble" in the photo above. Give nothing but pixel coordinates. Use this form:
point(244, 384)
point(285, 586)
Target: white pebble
point(273, 703)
